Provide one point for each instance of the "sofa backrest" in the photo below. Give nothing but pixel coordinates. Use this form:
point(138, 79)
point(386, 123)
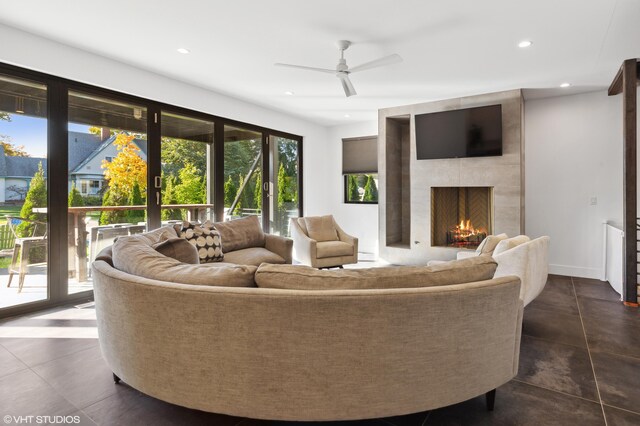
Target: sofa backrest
point(528, 261)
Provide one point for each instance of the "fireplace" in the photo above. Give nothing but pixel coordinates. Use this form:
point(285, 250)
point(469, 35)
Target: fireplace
point(461, 216)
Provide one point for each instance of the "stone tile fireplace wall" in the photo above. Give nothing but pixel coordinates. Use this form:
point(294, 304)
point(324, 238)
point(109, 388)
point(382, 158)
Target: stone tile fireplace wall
point(405, 183)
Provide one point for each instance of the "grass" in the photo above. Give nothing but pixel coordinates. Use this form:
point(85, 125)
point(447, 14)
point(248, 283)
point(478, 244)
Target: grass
point(8, 210)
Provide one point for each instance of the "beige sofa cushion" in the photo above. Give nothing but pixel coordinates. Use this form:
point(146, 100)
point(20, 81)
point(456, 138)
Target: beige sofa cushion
point(326, 249)
point(240, 233)
point(489, 244)
point(253, 256)
point(510, 243)
point(298, 277)
point(135, 255)
point(321, 228)
point(178, 248)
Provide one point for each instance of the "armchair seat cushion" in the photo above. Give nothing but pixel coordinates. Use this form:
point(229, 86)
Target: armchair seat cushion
point(252, 256)
point(333, 249)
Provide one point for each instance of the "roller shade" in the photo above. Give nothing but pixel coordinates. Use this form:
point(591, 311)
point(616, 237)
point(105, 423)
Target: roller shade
point(360, 155)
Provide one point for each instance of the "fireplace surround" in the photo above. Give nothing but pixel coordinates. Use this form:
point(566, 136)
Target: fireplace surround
point(405, 197)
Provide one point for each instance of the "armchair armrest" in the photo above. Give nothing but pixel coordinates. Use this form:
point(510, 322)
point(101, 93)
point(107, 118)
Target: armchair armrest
point(281, 246)
point(305, 247)
point(346, 238)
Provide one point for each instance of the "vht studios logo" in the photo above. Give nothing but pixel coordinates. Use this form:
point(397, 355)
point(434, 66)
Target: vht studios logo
point(60, 420)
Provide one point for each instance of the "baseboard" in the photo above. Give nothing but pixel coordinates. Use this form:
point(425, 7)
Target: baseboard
point(576, 271)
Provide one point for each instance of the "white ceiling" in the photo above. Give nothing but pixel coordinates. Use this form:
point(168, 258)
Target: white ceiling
point(450, 48)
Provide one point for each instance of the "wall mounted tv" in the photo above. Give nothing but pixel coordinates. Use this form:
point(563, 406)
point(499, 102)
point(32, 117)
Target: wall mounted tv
point(469, 132)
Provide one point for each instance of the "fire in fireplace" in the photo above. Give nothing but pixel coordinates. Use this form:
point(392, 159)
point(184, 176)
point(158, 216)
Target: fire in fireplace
point(461, 216)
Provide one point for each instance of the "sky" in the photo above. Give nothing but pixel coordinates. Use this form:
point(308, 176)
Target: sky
point(32, 133)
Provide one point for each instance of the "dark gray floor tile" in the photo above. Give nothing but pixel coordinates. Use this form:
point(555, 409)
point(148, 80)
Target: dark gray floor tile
point(24, 393)
point(558, 367)
point(606, 310)
point(616, 417)
point(9, 363)
point(416, 419)
point(595, 289)
point(618, 379)
point(35, 351)
point(130, 407)
point(521, 404)
point(613, 335)
point(83, 377)
point(548, 323)
point(558, 292)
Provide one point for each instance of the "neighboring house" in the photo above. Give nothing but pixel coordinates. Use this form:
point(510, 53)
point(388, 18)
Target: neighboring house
point(86, 153)
point(85, 165)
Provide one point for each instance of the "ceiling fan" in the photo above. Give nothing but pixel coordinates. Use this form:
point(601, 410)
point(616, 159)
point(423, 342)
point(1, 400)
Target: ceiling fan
point(342, 70)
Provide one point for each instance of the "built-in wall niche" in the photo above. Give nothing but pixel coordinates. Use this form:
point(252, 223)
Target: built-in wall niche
point(461, 217)
point(398, 181)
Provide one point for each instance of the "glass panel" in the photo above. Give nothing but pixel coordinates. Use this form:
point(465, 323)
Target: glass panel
point(361, 188)
point(23, 192)
point(107, 178)
point(187, 168)
point(284, 200)
point(242, 173)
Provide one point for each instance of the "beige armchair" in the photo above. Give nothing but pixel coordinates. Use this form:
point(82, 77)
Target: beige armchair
point(319, 242)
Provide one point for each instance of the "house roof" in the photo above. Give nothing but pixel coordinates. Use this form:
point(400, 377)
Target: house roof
point(81, 145)
point(140, 143)
point(20, 166)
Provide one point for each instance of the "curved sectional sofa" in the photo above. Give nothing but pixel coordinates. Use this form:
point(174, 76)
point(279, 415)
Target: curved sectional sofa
point(293, 354)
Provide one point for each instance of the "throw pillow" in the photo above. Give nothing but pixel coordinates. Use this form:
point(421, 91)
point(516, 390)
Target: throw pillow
point(205, 238)
point(489, 244)
point(321, 228)
point(241, 233)
point(509, 243)
point(179, 249)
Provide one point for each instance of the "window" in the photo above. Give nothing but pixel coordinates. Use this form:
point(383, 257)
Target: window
point(360, 170)
point(108, 159)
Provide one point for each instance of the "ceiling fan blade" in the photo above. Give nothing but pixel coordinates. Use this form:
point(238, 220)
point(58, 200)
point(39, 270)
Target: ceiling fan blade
point(387, 60)
point(306, 68)
point(349, 90)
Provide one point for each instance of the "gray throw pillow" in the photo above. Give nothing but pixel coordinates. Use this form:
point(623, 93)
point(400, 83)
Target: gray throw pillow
point(179, 249)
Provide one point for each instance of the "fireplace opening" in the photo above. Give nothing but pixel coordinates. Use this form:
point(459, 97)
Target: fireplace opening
point(461, 216)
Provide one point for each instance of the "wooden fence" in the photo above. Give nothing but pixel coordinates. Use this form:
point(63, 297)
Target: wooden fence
point(6, 237)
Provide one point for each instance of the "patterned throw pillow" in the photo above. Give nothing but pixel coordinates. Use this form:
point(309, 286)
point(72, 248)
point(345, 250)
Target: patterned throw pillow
point(206, 239)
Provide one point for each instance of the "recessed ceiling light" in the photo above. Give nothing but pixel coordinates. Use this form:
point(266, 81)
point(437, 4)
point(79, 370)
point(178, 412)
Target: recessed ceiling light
point(563, 85)
point(525, 43)
point(183, 51)
point(289, 92)
point(347, 116)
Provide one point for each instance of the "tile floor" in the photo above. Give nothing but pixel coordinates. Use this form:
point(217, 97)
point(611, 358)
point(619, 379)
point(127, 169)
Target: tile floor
point(579, 365)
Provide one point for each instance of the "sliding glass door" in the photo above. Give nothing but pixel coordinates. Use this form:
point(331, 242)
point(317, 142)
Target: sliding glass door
point(187, 168)
point(23, 192)
point(107, 178)
point(284, 196)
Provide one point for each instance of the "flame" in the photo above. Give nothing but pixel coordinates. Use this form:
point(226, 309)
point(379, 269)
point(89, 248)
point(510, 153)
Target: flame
point(466, 228)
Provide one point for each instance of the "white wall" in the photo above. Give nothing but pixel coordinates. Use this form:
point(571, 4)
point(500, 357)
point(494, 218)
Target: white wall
point(573, 152)
point(40, 54)
point(360, 220)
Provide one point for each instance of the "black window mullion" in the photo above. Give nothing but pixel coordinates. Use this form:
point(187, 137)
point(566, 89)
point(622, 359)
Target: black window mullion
point(57, 160)
point(154, 167)
point(267, 181)
point(218, 170)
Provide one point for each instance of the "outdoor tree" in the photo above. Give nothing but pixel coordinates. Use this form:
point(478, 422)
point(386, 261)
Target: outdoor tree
point(257, 191)
point(230, 190)
point(370, 190)
point(135, 199)
point(177, 153)
point(4, 116)
point(354, 194)
point(75, 198)
point(126, 168)
point(242, 199)
point(190, 190)
point(36, 197)
point(113, 198)
point(11, 150)
point(169, 197)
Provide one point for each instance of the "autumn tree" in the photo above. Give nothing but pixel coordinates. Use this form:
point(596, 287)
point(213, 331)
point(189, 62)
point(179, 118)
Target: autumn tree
point(126, 168)
point(11, 150)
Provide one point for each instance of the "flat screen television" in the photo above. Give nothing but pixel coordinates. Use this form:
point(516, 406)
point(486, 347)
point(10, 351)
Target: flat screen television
point(469, 132)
